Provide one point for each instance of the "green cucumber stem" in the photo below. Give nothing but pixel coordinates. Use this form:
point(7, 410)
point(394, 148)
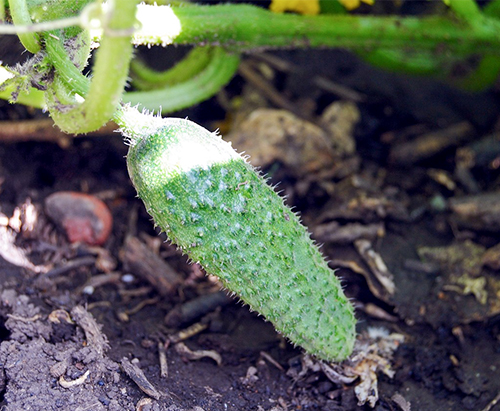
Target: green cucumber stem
point(246, 27)
point(21, 16)
point(110, 73)
point(144, 78)
point(205, 84)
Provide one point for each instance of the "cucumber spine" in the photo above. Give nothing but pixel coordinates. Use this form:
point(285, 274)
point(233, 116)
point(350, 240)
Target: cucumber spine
point(219, 211)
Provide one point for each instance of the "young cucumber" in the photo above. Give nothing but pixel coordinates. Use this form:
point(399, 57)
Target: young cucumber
point(221, 213)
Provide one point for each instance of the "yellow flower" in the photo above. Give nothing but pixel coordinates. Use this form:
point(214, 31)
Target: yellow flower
point(299, 6)
point(354, 4)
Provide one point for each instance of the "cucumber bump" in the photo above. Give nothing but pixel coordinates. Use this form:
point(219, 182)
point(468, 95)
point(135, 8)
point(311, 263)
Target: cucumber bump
point(218, 210)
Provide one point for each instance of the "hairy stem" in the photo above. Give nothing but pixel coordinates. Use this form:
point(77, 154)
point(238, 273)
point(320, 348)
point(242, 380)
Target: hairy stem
point(246, 27)
point(21, 16)
point(203, 85)
point(64, 67)
point(466, 10)
point(110, 74)
point(145, 78)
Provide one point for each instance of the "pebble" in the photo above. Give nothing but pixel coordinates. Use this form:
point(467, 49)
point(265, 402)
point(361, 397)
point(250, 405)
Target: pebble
point(83, 217)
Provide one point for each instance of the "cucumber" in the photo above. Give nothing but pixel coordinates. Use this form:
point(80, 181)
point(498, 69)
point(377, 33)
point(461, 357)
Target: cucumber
point(219, 211)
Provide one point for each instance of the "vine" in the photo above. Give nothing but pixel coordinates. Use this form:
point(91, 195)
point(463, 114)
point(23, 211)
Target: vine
point(419, 45)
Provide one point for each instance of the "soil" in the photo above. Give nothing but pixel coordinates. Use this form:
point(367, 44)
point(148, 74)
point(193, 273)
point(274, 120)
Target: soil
point(82, 327)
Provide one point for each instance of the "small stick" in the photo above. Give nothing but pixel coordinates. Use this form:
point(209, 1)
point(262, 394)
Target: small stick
point(93, 334)
point(320, 81)
point(138, 259)
point(184, 351)
point(42, 130)
point(137, 375)
point(100, 280)
point(142, 304)
point(492, 403)
point(188, 332)
point(163, 358)
point(196, 308)
point(71, 265)
point(125, 315)
point(270, 359)
point(267, 89)
point(430, 144)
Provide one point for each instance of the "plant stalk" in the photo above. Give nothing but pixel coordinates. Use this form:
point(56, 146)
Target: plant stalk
point(110, 73)
point(21, 16)
point(246, 27)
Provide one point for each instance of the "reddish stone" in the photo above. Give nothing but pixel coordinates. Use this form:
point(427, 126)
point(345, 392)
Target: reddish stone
point(83, 217)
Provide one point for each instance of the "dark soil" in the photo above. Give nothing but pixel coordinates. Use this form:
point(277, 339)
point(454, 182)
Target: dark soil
point(68, 346)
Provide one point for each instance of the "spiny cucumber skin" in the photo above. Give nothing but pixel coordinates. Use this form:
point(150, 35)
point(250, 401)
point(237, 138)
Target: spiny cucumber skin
point(218, 210)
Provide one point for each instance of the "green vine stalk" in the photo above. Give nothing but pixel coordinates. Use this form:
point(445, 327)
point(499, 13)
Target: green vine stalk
point(245, 27)
point(422, 45)
point(220, 68)
point(21, 16)
point(145, 78)
point(105, 91)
